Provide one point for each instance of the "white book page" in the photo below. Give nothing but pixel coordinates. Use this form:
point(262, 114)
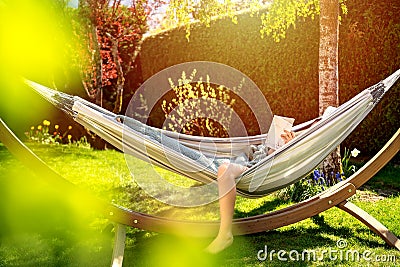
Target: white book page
point(278, 126)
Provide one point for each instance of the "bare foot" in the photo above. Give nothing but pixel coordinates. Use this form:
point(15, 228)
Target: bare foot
point(220, 243)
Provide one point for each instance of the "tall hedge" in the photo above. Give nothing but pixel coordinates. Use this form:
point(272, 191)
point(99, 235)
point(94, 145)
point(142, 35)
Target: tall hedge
point(370, 51)
point(287, 72)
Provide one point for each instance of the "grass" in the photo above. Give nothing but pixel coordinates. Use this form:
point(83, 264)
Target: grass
point(42, 226)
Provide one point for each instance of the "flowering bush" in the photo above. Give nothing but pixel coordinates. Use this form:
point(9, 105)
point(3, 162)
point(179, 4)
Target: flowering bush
point(198, 107)
point(45, 135)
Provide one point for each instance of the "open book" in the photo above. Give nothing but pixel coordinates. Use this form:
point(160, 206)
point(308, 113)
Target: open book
point(278, 126)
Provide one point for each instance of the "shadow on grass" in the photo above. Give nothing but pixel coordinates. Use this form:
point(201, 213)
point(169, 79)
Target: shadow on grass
point(267, 206)
point(387, 179)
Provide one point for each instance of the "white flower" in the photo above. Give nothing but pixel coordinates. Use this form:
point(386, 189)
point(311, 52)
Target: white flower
point(355, 152)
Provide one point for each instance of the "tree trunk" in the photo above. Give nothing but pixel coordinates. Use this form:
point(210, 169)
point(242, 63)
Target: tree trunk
point(328, 73)
point(120, 76)
point(98, 66)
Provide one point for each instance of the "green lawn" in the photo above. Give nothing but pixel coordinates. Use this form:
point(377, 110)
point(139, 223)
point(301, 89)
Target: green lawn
point(44, 226)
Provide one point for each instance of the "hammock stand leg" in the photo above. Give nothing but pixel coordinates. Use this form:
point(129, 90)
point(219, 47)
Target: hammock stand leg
point(119, 245)
point(373, 224)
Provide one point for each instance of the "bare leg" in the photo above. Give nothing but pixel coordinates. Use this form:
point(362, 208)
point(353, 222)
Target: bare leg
point(227, 196)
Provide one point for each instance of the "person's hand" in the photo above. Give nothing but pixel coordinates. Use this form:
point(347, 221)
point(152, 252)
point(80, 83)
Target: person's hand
point(287, 136)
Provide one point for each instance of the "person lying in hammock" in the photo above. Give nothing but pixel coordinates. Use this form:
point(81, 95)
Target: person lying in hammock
point(227, 172)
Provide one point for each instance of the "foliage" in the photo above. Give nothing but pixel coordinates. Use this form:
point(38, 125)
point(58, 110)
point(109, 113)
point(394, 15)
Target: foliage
point(282, 14)
point(43, 134)
point(184, 12)
point(370, 52)
point(109, 37)
point(33, 38)
point(199, 107)
point(299, 191)
point(317, 181)
point(314, 183)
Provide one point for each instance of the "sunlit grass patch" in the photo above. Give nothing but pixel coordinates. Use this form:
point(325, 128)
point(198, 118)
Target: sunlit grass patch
point(42, 226)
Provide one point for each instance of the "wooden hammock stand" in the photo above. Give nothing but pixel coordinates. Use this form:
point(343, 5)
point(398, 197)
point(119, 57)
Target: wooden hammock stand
point(337, 195)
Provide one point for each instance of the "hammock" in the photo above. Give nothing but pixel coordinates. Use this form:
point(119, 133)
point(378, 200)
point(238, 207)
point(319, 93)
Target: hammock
point(199, 157)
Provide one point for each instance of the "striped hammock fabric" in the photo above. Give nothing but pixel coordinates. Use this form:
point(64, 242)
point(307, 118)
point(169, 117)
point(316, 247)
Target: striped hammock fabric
point(199, 157)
